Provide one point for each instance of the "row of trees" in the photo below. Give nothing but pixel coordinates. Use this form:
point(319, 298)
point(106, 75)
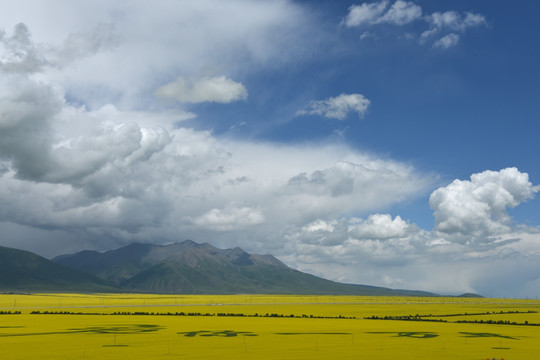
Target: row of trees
point(273, 315)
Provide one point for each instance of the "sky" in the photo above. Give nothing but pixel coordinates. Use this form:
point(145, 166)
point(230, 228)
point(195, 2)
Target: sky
point(388, 143)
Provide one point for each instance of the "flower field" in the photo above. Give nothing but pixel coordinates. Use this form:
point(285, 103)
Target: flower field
point(134, 326)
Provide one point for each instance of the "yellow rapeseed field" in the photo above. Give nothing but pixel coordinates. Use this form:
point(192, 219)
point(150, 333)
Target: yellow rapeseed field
point(132, 326)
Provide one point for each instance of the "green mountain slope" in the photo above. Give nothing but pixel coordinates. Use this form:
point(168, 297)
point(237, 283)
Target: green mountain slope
point(121, 264)
point(25, 271)
point(192, 268)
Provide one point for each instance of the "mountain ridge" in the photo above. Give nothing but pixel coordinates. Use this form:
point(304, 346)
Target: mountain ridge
point(179, 268)
point(22, 270)
point(190, 267)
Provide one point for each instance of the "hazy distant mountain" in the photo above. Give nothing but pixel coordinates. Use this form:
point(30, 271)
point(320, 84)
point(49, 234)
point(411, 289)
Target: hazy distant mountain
point(192, 268)
point(25, 271)
point(470, 295)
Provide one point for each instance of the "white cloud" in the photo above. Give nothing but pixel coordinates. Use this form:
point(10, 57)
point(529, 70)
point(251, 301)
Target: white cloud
point(470, 211)
point(19, 53)
point(447, 41)
point(450, 21)
point(218, 89)
point(405, 12)
point(455, 21)
point(401, 13)
point(141, 175)
point(379, 226)
point(365, 35)
point(130, 50)
point(232, 217)
point(338, 107)
point(126, 174)
point(366, 13)
point(473, 20)
point(472, 230)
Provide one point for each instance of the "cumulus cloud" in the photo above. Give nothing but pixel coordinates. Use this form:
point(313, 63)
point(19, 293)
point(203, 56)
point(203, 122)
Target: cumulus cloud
point(338, 107)
point(447, 23)
point(474, 210)
point(149, 46)
point(218, 89)
point(130, 182)
point(379, 226)
point(400, 13)
point(229, 218)
point(126, 175)
point(472, 230)
point(454, 21)
point(36, 138)
point(366, 13)
point(137, 174)
point(19, 54)
point(26, 112)
point(450, 21)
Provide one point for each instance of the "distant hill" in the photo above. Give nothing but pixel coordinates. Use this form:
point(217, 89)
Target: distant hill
point(470, 295)
point(191, 268)
point(25, 271)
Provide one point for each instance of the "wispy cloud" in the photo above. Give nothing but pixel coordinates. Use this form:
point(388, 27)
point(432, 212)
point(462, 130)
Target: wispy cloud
point(447, 41)
point(338, 107)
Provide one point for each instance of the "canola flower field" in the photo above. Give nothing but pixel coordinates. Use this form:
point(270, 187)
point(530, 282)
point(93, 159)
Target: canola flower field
point(134, 326)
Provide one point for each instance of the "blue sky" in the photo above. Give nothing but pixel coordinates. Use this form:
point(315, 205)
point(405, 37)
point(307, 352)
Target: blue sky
point(389, 143)
point(453, 111)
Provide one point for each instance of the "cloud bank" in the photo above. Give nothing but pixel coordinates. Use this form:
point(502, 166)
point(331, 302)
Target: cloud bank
point(132, 174)
point(472, 229)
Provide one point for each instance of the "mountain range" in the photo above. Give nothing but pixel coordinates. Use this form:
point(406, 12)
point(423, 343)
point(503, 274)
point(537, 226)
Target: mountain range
point(25, 271)
point(185, 267)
